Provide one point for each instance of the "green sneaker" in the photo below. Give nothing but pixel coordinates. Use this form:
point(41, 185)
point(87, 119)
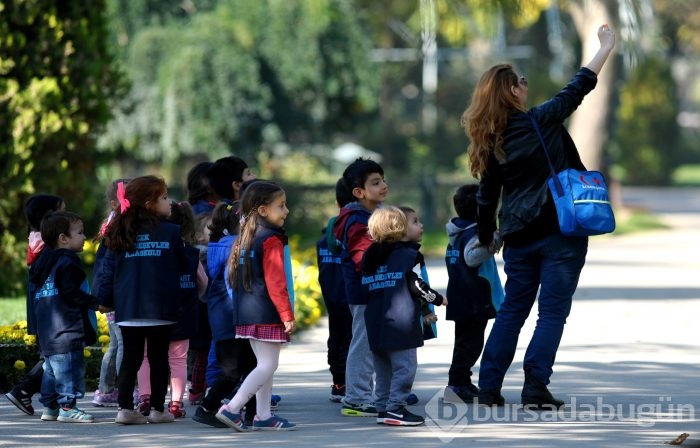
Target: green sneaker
point(74, 415)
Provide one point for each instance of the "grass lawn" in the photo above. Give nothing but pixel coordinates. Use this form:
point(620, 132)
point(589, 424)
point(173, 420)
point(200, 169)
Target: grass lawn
point(12, 309)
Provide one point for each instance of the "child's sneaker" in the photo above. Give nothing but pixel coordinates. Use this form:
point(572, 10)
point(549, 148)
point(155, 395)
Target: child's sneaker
point(401, 417)
point(106, 400)
point(275, 402)
point(21, 399)
point(337, 393)
point(144, 406)
point(177, 409)
point(274, 423)
point(160, 417)
point(130, 417)
point(206, 417)
point(358, 410)
point(50, 415)
point(74, 415)
point(231, 420)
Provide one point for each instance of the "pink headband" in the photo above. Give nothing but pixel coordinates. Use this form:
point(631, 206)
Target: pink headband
point(123, 201)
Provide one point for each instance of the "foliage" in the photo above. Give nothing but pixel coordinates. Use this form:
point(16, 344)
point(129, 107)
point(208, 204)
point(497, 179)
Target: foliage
point(57, 79)
point(647, 137)
point(242, 75)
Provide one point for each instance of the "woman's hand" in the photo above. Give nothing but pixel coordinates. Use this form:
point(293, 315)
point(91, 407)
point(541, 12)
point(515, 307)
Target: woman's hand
point(606, 36)
point(290, 327)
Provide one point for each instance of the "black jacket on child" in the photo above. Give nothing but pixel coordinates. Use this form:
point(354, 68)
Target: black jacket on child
point(393, 314)
point(61, 307)
point(469, 293)
point(330, 266)
point(145, 283)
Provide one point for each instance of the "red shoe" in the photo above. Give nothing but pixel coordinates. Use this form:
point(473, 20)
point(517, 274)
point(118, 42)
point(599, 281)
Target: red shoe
point(177, 409)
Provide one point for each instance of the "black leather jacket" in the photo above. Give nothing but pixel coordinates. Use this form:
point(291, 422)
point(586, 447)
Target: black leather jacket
point(520, 182)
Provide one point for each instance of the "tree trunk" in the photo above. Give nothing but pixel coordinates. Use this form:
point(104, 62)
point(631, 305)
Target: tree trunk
point(589, 124)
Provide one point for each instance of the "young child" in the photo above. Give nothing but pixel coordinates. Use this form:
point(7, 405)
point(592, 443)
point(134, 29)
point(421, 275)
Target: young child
point(35, 208)
point(263, 312)
point(365, 180)
point(234, 356)
point(106, 394)
point(330, 278)
point(471, 296)
point(227, 175)
point(393, 314)
point(193, 284)
point(62, 311)
point(414, 234)
point(141, 281)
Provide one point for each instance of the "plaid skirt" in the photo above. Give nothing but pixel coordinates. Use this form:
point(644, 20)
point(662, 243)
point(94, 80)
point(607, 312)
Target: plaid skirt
point(262, 332)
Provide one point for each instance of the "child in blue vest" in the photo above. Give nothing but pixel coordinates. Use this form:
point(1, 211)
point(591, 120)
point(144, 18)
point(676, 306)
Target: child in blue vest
point(64, 316)
point(364, 179)
point(470, 293)
point(263, 311)
point(391, 277)
point(330, 278)
point(234, 357)
point(193, 285)
point(140, 279)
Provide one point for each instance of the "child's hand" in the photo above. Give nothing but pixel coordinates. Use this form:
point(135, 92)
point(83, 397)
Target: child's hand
point(429, 318)
point(290, 327)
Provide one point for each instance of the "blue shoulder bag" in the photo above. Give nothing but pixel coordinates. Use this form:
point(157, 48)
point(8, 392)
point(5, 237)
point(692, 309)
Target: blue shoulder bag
point(580, 197)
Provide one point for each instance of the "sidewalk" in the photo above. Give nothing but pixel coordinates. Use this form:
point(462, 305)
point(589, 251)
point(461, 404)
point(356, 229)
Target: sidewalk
point(627, 368)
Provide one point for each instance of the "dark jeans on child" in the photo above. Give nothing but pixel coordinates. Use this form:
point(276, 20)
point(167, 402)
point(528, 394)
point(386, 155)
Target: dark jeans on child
point(551, 265)
point(339, 336)
point(469, 341)
point(395, 372)
point(236, 360)
point(63, 381)
point(134, 338)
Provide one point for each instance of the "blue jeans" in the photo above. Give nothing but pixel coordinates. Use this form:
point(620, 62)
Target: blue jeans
point(64, 379)
point(112, 359)
point(552, 265)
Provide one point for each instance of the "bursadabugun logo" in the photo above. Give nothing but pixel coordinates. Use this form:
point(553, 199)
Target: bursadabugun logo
point(448, 419)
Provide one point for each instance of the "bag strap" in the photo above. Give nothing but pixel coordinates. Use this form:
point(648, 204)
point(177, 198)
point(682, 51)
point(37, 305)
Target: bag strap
point(555, 178)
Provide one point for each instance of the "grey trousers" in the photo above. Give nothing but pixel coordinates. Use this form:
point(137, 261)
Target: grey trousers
point(359, 368)
point(396, 371)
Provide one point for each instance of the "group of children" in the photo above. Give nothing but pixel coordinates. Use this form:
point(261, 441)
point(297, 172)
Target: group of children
point(380, 305)
point(160, 267)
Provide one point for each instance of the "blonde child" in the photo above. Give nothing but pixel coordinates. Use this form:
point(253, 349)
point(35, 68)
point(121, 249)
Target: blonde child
point(262, 312)
point(141, 281)
point(393, 314)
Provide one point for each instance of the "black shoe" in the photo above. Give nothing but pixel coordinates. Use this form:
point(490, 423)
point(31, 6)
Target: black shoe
point(380, 417)
point(491, 397)
point(401, 417)
point(21, 399)
point(337, 393)
point(535, 394)
point(201, 415)
point(461, 394)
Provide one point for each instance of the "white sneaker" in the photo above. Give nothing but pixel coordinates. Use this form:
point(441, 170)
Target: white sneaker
point(160, 417)
point(130, 417)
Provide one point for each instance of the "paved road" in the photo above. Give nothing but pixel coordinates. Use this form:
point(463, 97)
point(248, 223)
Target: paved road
point(627, 368)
